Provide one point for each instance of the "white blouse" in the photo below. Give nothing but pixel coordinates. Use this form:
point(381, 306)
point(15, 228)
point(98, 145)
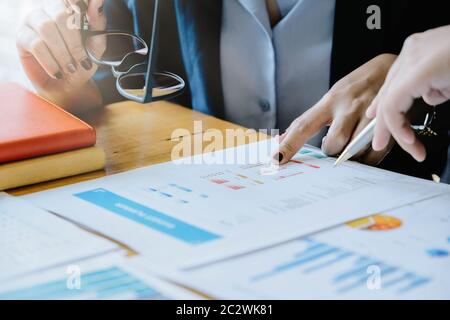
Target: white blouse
point(271, 76)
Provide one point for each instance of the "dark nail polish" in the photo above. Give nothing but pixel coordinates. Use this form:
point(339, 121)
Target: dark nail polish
point(59, 75)
point(87, 64)
point(72, 68)
point(279, 157)
point(100, 10)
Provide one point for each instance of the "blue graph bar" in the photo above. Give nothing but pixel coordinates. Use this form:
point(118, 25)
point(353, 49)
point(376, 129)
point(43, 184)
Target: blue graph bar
point(339, 258)
point(312, 247)
point(102, 284)
point(185, 189)
point(319, 256)
point(146, 216)
point(358, 271)
point(314, 252)
point(414, 284)
point(311, 154)
point(305, 259)
point(167, 195)
point(413, 281)
point(399, 279)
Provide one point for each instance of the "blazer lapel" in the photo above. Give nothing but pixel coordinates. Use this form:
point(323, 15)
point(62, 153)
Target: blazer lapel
point(200, 24)
point(259, 13)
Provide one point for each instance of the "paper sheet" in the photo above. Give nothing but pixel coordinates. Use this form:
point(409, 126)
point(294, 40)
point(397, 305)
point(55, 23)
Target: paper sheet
point(182, 215)
point(108, 277)
point(32, 239)
point(404, 254)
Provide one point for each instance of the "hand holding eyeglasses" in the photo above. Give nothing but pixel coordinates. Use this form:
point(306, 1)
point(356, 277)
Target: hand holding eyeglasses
point(52, 53)
point(60, 53)
point(132, 62)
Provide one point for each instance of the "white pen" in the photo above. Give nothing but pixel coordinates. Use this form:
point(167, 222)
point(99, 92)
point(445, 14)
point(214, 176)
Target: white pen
point(360, 142)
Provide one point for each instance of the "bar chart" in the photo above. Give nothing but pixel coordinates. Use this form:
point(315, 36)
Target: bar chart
point(344, 269)
point(108, 283)
point(254, 175)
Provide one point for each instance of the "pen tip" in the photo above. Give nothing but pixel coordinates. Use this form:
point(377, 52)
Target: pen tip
point(343, 157)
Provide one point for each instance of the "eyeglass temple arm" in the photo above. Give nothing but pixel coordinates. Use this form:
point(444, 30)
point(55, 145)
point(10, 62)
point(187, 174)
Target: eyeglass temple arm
point(151, 56)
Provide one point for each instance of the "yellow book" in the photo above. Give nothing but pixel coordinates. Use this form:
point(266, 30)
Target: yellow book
point(52, 167)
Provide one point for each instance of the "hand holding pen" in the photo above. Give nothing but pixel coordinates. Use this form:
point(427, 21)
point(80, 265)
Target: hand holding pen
point(422, 70)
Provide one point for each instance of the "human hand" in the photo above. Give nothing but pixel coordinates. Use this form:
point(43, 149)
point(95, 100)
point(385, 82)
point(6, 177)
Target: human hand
point(343, 107)
point(51, 50)
point(422, 70)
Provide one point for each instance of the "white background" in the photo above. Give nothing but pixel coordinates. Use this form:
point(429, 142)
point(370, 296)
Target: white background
point(12, 13)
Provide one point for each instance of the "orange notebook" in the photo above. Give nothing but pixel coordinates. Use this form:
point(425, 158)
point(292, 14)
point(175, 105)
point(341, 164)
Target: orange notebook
point(30, 126)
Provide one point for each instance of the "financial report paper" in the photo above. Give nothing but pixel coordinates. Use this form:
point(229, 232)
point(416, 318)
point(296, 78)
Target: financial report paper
point(181, 215)
point(32, 239)
point(108, 277)
point(399, 254)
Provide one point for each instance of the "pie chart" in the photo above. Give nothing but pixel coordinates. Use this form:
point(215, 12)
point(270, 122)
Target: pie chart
point(379, 222)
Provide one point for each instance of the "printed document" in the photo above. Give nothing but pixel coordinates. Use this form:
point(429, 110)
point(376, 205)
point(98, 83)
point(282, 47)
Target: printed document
point(399, 254)
point(197, 211)
point(109, 277)
point(32, 239)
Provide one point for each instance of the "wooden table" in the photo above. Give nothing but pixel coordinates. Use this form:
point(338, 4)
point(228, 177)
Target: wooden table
point(134, 135)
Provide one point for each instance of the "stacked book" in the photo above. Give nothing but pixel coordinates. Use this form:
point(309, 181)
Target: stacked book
point(40, 142)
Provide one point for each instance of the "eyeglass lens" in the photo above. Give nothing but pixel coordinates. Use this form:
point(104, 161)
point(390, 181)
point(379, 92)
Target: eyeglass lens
point(128, 56)
point(119, 46)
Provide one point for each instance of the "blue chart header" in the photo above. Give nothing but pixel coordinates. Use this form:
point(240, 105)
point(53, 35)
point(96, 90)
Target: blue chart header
point(147, 216)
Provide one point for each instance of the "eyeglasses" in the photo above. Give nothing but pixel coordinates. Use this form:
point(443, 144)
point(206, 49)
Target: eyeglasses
point(132, 62)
